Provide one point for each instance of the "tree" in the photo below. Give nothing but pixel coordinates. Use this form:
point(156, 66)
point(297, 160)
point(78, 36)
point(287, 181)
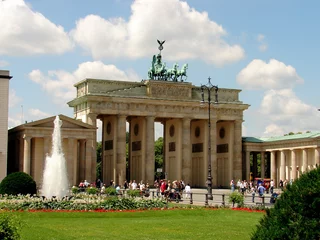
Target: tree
point(158, 149)
point(296, 213)
point(99, 160)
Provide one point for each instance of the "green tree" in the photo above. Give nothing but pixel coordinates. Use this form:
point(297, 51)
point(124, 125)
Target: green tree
point(158, 152)
point(296, 213)
point(99, 160)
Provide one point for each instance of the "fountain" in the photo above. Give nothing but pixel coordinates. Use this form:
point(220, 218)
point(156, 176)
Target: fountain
point(55, 180)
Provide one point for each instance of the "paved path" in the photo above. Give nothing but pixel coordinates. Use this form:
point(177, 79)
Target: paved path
point(199, 198)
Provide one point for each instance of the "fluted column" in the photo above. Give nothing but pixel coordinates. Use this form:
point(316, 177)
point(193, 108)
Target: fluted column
point(88, 161)
point(247, 166)
point(262, 163)
point(186, 151)
point(293, 164)
point(92, 120)
point(304, 160)
point(82, 159)
point(317, 156)
point(282, 166)
point(121, 151)
point(26, 154)
point(237, 149)
point(70, 162)
point(273, 166)
point(150, 159)
point(214, 162)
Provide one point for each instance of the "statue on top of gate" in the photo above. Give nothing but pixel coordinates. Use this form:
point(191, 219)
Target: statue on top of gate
point(158, 70)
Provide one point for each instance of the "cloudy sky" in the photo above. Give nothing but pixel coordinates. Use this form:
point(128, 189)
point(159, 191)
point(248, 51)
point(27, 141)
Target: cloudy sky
point(269, 49)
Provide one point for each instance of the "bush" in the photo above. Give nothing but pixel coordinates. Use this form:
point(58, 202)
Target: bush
point(110, 191)
point(92, 190)
point(9, 227)
point(75, 190)
point(236, 198)
point(18, 183)
point(133, 193)
point(296, 212)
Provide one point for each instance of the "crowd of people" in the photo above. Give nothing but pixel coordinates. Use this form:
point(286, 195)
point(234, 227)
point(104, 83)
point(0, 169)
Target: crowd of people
point(164, 188)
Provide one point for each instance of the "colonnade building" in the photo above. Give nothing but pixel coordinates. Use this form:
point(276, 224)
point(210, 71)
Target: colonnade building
point(282, 157)
point(176, 105)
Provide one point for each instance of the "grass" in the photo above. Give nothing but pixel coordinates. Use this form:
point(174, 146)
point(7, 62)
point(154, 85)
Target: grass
point(156, 224)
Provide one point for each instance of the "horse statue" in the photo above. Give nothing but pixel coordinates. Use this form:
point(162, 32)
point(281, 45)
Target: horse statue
point(152, 71)
point(172, 72)
point(183, 72)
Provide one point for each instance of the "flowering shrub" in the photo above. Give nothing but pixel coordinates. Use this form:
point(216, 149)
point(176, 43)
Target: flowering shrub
point(89, 203)
point(111, 191)
point(92, 190)
point(133, 193)
point(237, 198)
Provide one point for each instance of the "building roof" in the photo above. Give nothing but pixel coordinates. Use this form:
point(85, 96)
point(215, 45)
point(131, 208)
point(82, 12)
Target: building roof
point(281, 138)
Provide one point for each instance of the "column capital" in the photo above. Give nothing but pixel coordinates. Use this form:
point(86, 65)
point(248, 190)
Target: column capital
point(26, 137)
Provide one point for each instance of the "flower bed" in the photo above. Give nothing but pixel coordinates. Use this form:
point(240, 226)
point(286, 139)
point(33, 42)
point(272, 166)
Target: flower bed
point(77, 203)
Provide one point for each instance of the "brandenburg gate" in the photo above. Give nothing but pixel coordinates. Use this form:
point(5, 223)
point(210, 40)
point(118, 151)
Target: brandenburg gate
point(169, 99)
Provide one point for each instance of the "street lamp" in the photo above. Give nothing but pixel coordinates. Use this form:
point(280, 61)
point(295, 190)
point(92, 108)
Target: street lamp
point(208, 87)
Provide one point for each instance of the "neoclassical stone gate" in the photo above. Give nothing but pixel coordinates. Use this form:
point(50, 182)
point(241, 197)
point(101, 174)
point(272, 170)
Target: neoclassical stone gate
point(176, 105)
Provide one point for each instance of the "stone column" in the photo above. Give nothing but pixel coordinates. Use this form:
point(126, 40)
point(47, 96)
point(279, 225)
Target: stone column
point(282, 166)
point(214, 162)
point(26, 154)
point(70, 162)
point(293, 164)
point(92, 120)
point(186, 151)
point(150, 159)
point(304, 160)
point(88, 157)
point(262, 163)
point(273, 166)
point(237, 149)
point(82, 160)
point(247, 166)
point(121, 151)
point(317, 156)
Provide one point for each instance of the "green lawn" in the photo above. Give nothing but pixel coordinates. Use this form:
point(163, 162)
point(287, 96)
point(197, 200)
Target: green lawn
point(159, 224)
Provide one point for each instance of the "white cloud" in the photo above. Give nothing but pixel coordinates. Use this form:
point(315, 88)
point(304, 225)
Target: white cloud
point(25, 32)
point(37, 114)
point(273, 130)
point(3, 63)
point(263, 46)
point(59, 83)
point(189, 34)
point(273, 75)
point(285, 113)
point(13, 98)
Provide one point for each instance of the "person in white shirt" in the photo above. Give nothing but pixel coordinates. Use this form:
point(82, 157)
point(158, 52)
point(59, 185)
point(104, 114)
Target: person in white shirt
point(134, 185)
point(271, 186)
point(187, 190)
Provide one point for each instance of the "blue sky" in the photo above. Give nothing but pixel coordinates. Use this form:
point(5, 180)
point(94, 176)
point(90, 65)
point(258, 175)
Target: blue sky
point(269, 49)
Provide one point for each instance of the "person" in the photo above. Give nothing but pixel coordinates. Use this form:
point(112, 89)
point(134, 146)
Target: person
point(261, 190)
point(232, 185)
point(274, 197)
point(103, 189)
point(98, 183)
point(86, 183)
point(125, 185)
point(271, 186)
point(281, 184)
point(118, 192)
point(134, 185)
point(187, 190)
